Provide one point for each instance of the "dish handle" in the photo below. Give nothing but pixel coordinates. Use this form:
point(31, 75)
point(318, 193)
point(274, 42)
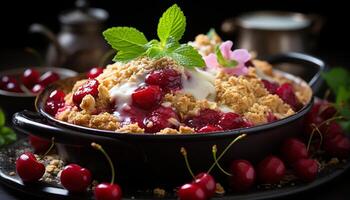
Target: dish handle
point(316, 80)
point(34, 123)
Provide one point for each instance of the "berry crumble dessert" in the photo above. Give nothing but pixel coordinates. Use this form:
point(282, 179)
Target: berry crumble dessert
point(163, 87)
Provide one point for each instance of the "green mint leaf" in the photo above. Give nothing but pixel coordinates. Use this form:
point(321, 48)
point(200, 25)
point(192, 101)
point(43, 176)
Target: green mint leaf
point(129, 42)
point(343, 96)
point(171, 44)
point(2, 118)
point(345, 125)
point(172, 23)
point(336, 77)
point(154, 49)
point(222, 61)
point(7, 136)
point(187, 56)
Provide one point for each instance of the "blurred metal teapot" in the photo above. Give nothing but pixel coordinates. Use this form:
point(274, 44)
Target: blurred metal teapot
point(273, 32)
point(79, 44)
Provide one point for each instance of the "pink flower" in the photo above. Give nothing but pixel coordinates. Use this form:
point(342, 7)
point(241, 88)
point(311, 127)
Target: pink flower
point(239, 55)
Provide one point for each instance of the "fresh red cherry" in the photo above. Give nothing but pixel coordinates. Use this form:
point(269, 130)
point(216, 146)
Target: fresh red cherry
point(243, 175)
point(338, 146)
point(191, 191)
point(89, 87)
point(167, 79)
point(75, 178)
point(28, 168)
point(131, 114)
point(271, 170)
point(39, 144)
point(147, 97)
point(54, 102)
point(108, 191)
point(30, 77)
point(270, 86)
point(306, 169)
point(229, 121)
point(327, 110)
point(37, 88)
point(207, 183)
point(293, 150)
point(204, 118)
point(13, 87)
point(48, 77)
point(286, 93)
point(162, 117)
point(209, 128)
point(331, 130)
point(94, 72)
point(5, 80)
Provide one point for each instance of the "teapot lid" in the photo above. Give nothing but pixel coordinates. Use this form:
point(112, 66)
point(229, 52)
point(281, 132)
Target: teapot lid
point(83, 14)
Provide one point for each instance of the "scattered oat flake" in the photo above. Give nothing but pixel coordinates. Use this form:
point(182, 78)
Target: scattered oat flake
point(219, 189)
point(158, 192)
point(12, 173)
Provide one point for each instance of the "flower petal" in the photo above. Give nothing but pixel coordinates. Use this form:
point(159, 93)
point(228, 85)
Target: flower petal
point(225, 49)
point(241, 55)
point(211, 61)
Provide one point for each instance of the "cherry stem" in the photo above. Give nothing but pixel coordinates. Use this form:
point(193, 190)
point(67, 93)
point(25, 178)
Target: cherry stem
point(214, 149)
point(225, 150)
point(326, 94)
point(99, 147)
point(314, 128)
point(184, 153)
point(50, 148)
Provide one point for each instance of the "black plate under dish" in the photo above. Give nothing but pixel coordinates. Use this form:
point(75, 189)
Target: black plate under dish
point(54, 191)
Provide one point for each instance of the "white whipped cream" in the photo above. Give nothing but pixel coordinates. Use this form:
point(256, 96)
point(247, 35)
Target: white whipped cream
point(199, 83)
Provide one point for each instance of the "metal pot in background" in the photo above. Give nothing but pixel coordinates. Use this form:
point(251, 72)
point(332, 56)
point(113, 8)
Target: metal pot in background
point(79, 44)
point(273, 32)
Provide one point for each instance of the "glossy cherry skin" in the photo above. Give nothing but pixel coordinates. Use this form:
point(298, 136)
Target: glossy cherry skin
point(13, 87)
point(338, 146)
point(48, 78)
point(286, 93)
point(89, 87)
point(39, 144)
point(271, 170)
point(107, 191)
point(94, 72)
point(162, 117)
point(30, 77)
point(204, 118)
point(6, 79)
point(229, 121)
point(37, 88)
point(54, 102)
point(209, 128)
point(167, 79)
point(306, 169)
point(270, 86)
point(75, 178)
point(191, 191)
point(243, 175)
point(293, 150)
point(207, 183)
point(147, 97)
point(28, 168)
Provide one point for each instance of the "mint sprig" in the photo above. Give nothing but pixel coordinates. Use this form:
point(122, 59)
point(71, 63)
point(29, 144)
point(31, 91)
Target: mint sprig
point(339, 83)
point(7, 135)
point(131, 43)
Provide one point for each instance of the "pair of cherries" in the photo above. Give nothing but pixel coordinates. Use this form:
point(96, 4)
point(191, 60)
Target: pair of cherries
point(73, 177)
point(202, 187)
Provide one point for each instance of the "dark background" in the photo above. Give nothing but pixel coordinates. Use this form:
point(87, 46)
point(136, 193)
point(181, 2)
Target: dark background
point(16, 16)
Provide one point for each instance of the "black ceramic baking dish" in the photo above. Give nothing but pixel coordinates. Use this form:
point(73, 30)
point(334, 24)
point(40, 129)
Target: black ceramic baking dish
point(153, 160)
